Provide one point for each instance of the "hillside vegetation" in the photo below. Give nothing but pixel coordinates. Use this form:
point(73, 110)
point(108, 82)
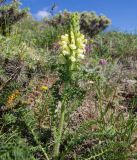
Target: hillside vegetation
point(68, 90)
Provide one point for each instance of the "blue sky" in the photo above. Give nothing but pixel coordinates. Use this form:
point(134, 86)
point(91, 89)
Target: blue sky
point(123, 13)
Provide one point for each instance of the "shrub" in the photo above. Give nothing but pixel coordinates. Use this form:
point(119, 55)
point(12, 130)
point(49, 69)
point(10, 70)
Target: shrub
point(90, 23)
point(9, 15)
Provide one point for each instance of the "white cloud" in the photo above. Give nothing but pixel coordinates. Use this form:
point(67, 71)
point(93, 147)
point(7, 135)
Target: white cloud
point(42, 14)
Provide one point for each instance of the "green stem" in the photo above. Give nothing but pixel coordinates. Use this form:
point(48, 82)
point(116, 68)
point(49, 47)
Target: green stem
point(59, 135)
point(58, 131)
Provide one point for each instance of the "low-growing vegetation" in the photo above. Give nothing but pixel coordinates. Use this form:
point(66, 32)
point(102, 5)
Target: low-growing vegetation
point(68, 90)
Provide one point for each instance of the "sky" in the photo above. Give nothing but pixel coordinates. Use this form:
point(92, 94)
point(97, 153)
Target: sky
point(123, 13)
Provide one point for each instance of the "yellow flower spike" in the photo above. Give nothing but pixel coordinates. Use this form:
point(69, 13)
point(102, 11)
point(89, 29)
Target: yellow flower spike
point(73, 44)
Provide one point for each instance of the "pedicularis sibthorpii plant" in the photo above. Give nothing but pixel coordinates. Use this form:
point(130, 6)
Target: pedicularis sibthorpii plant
point(72, 47)
point(109, 133)
point(37, 119)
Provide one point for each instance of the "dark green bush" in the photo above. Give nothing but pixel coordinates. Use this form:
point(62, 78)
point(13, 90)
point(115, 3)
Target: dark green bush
point(9, 15)
point(90, 23)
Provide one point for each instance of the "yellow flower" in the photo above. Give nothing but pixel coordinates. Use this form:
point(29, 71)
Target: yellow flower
point(64, 37)
point(82, 36)
point(73, 59)
point(63, 43)
point(83, 46)
point(65, 52)
point(12, 97)
point(81, 56)
point(72, 46)
point(65, 47)
point(79, 51)
point(44, 88)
